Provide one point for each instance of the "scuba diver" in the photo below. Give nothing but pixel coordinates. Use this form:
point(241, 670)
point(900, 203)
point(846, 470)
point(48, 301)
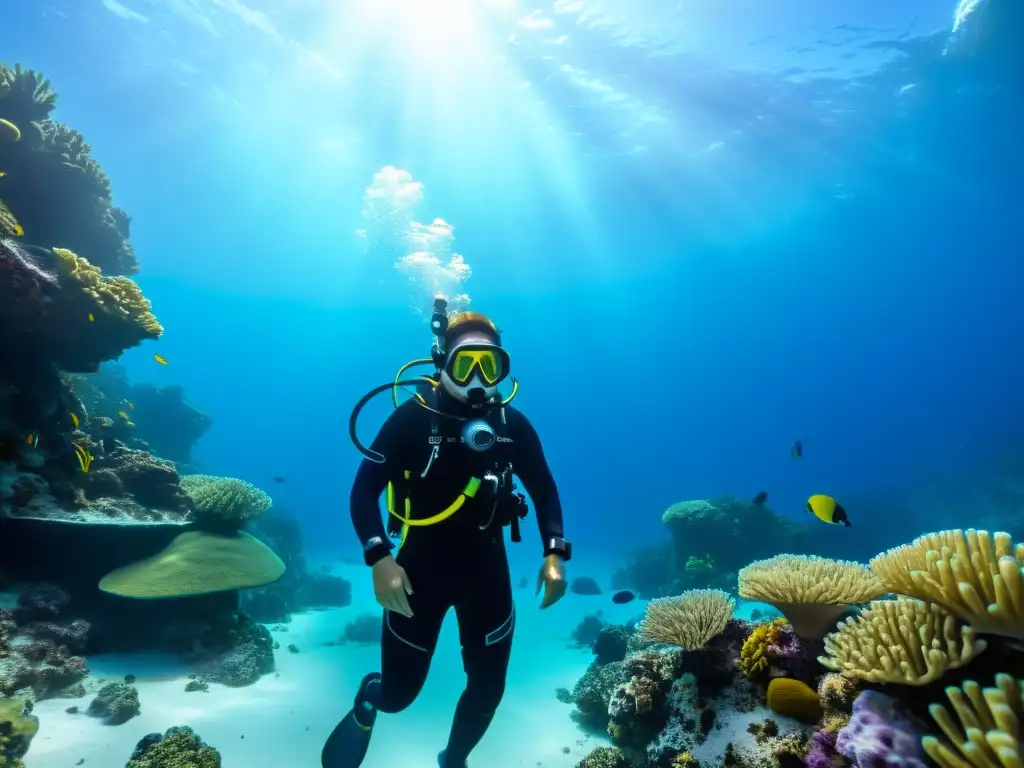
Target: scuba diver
point(446, 459)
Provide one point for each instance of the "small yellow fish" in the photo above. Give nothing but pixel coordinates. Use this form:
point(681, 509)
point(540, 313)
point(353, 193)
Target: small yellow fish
point(123, 415)
point(19, 230)
point(130, 404)
point(83, 456)
point(2, 174)
point(32, 440)
point(74, 419)
point(160, 359)
point(827, 509)
point(92, 318)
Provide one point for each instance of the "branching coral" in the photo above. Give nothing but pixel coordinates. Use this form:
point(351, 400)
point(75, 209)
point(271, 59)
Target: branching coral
point(224, 503)
point(812, 592)
point(689, 620)
point(974, 575)
point(989, 734)
point(900, 641)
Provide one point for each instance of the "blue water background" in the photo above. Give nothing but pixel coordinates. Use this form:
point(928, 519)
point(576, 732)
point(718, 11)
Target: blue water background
point(759, 234)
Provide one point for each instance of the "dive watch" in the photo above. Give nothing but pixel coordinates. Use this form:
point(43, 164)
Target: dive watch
point(556, 545)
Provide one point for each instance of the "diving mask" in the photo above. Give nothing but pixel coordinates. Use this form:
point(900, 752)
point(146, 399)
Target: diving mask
point(489, 361)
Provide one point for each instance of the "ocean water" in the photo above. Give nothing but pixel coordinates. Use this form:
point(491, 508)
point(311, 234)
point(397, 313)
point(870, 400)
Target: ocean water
point(706, 230)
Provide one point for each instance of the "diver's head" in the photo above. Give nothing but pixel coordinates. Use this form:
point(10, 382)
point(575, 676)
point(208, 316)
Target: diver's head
point(476, 362)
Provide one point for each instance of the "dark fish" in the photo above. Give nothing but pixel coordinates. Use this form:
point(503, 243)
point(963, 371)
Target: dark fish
point(278, 479)
point(761, 498)
point(623, 597)
point(796, 450)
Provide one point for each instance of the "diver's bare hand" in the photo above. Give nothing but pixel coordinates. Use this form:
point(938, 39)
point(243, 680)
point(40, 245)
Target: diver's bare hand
point(391, 586)
point(552, 579)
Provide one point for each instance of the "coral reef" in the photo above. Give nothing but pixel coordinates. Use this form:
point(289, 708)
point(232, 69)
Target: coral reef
point(249, 655)
point(17, 729)
point(900, 641)
point(989, 730)
point(197, 563)
point(51, 182)
point(178, 747)
point(364, 629)
point(224, 504)
point(688, 621)
point(611, 644)
point(586, 632)
point(878, 734)
point(38, 641)
point(812, 592)
point(604, 757)
point(115, 703)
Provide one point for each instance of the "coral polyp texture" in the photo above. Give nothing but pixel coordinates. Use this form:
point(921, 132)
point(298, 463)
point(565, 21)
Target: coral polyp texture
point(51, 182)
point(900, 641)
point(812, 592)
point(975, 575)
point(224, 503)
point(988, 734)
point(689, 620)
point(756, 655)
point(878, 734)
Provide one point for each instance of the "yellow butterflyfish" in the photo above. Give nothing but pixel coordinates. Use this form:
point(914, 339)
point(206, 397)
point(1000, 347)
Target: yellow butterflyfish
point(123, 415)
point(827, 509)
point(19, 230)
point(130, 404)
point(74, 419)
point(160, 359)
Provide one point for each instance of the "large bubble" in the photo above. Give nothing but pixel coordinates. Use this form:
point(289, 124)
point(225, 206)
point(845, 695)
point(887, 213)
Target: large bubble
point(422, 252)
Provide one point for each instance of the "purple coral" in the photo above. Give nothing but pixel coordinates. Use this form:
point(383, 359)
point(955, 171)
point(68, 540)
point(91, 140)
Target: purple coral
point(877, 736)
point(822, 752)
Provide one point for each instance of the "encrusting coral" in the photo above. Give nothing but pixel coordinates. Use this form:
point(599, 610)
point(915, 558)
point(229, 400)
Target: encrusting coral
point(989, 734)
point(197, 563)
point(977, 577)
point(900, 641)
point(224, 503)
point(17, 729)
point(812, 592)
point(689, 620)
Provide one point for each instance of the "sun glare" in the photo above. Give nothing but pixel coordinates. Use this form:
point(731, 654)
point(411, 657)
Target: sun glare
point(441, 25)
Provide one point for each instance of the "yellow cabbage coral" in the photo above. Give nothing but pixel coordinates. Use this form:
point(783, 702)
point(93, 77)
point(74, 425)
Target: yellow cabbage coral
point(754, 659)
point(224, 503)
point(812, 592)
point(900, 641)
point(120, 296)
point(975, 576)
point(689, 620)
point(989, 734)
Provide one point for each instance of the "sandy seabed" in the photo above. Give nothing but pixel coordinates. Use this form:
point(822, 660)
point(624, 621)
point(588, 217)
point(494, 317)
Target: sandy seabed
point(284, 718)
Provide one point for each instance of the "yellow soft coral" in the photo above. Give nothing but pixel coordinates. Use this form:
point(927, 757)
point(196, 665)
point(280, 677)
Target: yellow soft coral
point(689, 620)
point(977, 577)
point(812, 592)
point(990, 726)
point(754, 659)
point(119, 296)
point(900, 641)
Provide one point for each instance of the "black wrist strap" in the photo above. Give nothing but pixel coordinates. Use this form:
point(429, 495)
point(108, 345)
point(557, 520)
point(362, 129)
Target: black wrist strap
point(376, 553)
point(556, 545)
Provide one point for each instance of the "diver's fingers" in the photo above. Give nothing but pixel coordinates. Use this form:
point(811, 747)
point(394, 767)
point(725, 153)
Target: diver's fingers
point(540, 581)
point(406, 584)
point(403, 603)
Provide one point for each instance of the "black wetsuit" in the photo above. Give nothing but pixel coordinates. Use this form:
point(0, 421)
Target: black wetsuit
point(452, 564)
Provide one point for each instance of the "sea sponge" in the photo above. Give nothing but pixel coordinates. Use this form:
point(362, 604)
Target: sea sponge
point(990, 723)
point(754, 658)
point(793, 698)
point(17, 729)
point(9, 131)
point(974, 575)
point(689, 620)
point(812, 592)
point(196, 563)
point(900, 641)
point(224, 503)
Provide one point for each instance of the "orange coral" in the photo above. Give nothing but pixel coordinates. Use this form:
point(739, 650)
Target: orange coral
point(793, 698)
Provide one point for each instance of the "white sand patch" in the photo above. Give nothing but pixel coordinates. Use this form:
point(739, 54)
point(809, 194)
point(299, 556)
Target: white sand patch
point(284, 718)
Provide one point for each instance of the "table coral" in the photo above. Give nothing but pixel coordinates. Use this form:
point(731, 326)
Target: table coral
point(812, 592)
